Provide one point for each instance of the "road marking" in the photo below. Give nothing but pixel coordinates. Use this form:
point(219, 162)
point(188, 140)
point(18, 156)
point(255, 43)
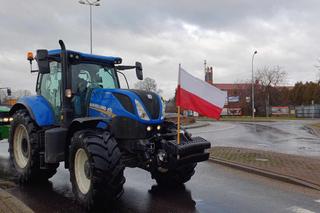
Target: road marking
point(298, 209)
point(318, 201)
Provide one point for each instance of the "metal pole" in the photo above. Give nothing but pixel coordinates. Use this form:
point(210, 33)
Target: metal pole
point(90, 28)
point(178, 124)
point(252, 86)
point(90, 4)
point(178, 129)
point(205, 69)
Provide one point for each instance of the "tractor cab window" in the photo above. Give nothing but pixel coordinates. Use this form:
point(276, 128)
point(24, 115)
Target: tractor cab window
point(107, 75)
point(50, 87)
point(87, 76)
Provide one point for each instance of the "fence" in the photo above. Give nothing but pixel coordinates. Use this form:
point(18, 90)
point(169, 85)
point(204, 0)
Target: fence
point(310, 111)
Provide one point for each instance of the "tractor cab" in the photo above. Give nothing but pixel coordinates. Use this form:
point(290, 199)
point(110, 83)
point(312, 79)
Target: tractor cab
point(86, 74)
point(83, 73)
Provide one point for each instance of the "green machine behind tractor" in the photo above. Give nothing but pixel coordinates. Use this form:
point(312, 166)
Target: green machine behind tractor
point(5, 118)
point(4, 122)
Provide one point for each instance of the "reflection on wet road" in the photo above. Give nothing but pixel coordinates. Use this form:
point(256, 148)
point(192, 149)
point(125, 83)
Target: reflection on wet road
point(291, 137)
point(213, 188)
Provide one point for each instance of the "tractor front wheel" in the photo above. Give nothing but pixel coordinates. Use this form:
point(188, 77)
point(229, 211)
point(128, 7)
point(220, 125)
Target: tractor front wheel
point(96, 169)
point(24, 150)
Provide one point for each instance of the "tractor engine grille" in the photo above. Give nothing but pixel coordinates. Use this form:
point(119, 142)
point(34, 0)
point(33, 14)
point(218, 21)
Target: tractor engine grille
point(125, 102)
point(150, 101)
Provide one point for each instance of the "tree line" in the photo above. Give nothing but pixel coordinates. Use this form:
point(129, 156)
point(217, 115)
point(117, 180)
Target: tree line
point(270, 92)
point(305, 93)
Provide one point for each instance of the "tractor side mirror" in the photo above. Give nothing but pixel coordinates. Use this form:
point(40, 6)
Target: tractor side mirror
point(139, 71)
point(43, 61)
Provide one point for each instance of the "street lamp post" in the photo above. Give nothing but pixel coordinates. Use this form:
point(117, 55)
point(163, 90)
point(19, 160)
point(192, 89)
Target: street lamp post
point(252, 85)
point(90, 4)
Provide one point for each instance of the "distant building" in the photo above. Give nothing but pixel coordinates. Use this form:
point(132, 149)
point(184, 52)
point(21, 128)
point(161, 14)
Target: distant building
point(237, 94)
point(209, 75)
point(238, 101)
point(238, 98)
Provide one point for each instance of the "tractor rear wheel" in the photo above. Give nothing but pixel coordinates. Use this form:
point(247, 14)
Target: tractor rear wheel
point(174, 177)
point(24, 150)
point(96, 169)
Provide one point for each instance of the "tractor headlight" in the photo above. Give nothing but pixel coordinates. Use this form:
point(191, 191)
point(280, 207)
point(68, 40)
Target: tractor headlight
point(141, 112)
point(6, 120)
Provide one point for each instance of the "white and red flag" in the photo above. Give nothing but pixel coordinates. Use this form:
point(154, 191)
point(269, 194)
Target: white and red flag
point(197, 95)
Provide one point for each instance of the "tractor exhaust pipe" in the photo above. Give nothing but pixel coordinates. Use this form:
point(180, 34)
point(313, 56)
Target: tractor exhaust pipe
point(66, 86)
point(62, 46)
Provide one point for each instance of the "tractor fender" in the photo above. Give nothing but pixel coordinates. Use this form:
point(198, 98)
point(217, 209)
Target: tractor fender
point(79, 124)
point(87, 122)
point(38, 107)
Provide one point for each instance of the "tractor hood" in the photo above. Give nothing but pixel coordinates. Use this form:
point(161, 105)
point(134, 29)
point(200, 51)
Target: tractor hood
point(141, 106)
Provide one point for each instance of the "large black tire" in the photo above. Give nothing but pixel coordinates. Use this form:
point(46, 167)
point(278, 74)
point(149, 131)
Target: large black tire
point(102, 167)
point(24, 149)
point(174, 177)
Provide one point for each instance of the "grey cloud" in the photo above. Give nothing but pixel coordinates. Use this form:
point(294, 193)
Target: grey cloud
point(162, 34)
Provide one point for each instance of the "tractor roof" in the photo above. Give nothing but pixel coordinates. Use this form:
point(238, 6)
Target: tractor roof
point(88, 57)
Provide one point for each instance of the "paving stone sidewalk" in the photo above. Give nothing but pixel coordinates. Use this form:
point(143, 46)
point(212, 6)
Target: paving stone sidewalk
point(10, 204)
point(302, 169)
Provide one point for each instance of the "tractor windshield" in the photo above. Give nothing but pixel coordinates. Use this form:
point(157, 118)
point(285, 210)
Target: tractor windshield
point(89, 75)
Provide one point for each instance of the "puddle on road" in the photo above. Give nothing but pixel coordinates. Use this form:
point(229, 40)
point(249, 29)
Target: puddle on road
point(259, 128)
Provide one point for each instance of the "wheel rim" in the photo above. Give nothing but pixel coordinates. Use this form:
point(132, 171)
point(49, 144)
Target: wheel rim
point(82, 171)
point(21, 146)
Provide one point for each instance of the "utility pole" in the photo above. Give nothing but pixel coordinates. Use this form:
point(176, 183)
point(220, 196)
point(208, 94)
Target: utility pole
point(252, 85)
point(205, 68)
point(90, 4)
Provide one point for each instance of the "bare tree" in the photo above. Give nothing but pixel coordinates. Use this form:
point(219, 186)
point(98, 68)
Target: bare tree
point(148, 84)
point(269, 77)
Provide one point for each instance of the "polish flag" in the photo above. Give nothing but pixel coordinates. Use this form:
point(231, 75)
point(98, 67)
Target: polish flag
point(197, 95)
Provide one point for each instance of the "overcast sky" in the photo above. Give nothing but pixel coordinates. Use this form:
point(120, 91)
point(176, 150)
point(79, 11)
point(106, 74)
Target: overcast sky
point(162, 33)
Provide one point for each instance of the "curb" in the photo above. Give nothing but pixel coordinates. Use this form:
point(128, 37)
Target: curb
point(288, 179)
point(250, 121)
point(196, 126)
point(9, 203)
point(315, 131)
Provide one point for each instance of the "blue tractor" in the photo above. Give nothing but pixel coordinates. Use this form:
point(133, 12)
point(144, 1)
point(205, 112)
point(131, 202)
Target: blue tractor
point(81, 116)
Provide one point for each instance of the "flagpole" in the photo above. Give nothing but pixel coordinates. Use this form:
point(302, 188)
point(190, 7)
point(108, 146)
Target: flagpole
point(178, 129)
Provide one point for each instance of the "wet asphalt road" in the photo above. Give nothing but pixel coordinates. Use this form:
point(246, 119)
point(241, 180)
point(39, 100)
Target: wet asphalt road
point(291, 137)
point(213, 188)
